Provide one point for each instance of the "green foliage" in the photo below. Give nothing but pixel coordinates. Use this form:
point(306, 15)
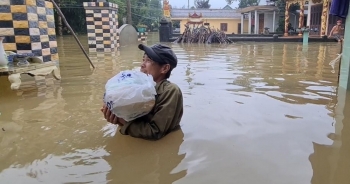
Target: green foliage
point(176, 24)
point(230, 1)
point(74, 13)
point(202, 4)
point(145, 13)
point(244, 3)
point(294, 7)
point(281, 4)
point(121, 10)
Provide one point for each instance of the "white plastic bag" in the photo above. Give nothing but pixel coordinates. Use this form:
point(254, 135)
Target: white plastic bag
point(130, 94)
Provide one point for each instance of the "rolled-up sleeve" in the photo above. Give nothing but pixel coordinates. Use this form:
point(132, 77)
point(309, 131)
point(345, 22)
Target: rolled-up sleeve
point(167, 114)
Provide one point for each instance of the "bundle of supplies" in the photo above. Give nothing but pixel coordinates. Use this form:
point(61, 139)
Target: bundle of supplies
point(130, 94)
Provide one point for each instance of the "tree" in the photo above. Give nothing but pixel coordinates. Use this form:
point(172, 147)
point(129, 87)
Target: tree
point(244, 3)
point(155, 13)
point(128, 7)
point(281, 4)
point(143, 12)
point(75, 15)
point(202, 4)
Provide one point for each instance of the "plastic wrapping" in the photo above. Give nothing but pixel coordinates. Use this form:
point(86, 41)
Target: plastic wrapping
point(130, 94)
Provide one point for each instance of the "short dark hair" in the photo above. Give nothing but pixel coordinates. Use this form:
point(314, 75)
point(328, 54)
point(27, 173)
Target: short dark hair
point(167, 75)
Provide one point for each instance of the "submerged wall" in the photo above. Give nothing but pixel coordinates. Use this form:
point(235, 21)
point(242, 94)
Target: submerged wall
point(29, 27)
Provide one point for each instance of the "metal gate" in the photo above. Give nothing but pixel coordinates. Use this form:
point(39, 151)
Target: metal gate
point(315, 20)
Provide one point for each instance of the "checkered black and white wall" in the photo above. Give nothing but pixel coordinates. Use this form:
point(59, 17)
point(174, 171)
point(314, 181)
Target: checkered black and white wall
point(102, 26)
point(29, 27)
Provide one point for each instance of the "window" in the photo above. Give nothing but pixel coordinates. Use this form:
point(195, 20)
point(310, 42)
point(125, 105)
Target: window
point(223, 27)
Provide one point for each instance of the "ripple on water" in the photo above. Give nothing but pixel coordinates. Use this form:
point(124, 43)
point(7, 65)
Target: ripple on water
point(249, 109)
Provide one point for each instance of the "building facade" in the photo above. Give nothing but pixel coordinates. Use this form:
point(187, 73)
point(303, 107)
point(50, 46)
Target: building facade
point(317, 13)
point(259, 18)
point(226, 20)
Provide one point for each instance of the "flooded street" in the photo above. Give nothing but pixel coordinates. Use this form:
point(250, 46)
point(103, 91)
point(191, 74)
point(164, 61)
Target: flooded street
point(254, 113)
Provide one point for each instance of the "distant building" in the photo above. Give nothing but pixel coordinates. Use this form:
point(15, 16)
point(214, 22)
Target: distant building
point(259, 18)
point(227, 19)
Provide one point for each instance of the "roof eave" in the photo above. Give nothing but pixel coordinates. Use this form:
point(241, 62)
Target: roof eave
point(258, 8)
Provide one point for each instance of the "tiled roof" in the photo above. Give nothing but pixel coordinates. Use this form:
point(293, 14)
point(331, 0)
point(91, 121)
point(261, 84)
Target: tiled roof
point(206, 13)
point(227, 7)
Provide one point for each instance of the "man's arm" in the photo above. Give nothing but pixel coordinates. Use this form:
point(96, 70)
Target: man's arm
point(168, 110)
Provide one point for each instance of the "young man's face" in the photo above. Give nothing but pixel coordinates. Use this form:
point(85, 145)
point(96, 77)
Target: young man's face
point(150, 67)
point(338, 22)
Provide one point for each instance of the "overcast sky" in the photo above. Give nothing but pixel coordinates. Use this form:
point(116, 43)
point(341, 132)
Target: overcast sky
point(214, 3)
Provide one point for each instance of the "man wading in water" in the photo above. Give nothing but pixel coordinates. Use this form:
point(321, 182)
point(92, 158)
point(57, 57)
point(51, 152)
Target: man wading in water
point(337, 32)
point(165, 117)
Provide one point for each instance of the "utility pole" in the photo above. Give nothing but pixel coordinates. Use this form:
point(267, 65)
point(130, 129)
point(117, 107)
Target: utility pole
point(128, 5)
point(188, 4)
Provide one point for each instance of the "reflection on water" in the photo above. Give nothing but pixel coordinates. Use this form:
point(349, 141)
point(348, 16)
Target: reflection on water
point(254, 113)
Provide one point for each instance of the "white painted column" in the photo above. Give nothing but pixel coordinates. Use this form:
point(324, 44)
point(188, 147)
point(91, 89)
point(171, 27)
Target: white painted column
point(308, 21)
point(242, 23)
point(274, 21)
point(256, 22)
point(249, 22)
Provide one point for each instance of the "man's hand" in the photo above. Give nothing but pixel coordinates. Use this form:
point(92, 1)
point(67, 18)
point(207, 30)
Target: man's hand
point(110, 117)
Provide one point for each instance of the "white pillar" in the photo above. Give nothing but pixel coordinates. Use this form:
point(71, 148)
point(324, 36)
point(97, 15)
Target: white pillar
point(309, 13)
point(250, 23)
point(274, 21)
point(256, 22)
point(242, 23)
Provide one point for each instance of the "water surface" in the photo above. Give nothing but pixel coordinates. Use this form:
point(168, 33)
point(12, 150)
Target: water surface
point(267, 113)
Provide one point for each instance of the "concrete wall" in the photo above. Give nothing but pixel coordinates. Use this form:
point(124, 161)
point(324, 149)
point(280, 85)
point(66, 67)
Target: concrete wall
point(245, 26)
point(232, 24)
point(29, 27)
point(268, 21)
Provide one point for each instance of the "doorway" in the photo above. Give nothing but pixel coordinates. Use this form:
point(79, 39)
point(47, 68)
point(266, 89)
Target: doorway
point(261, 23)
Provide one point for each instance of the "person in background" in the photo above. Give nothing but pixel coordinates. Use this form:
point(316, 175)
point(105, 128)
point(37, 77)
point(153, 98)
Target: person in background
point(158, 61)
point(337, 32)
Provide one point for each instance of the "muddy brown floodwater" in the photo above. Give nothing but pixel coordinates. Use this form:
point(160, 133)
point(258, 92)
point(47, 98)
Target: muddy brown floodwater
point(266, 113)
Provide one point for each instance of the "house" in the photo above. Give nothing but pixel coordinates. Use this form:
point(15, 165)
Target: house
point(260, 17)
point(227, 20)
